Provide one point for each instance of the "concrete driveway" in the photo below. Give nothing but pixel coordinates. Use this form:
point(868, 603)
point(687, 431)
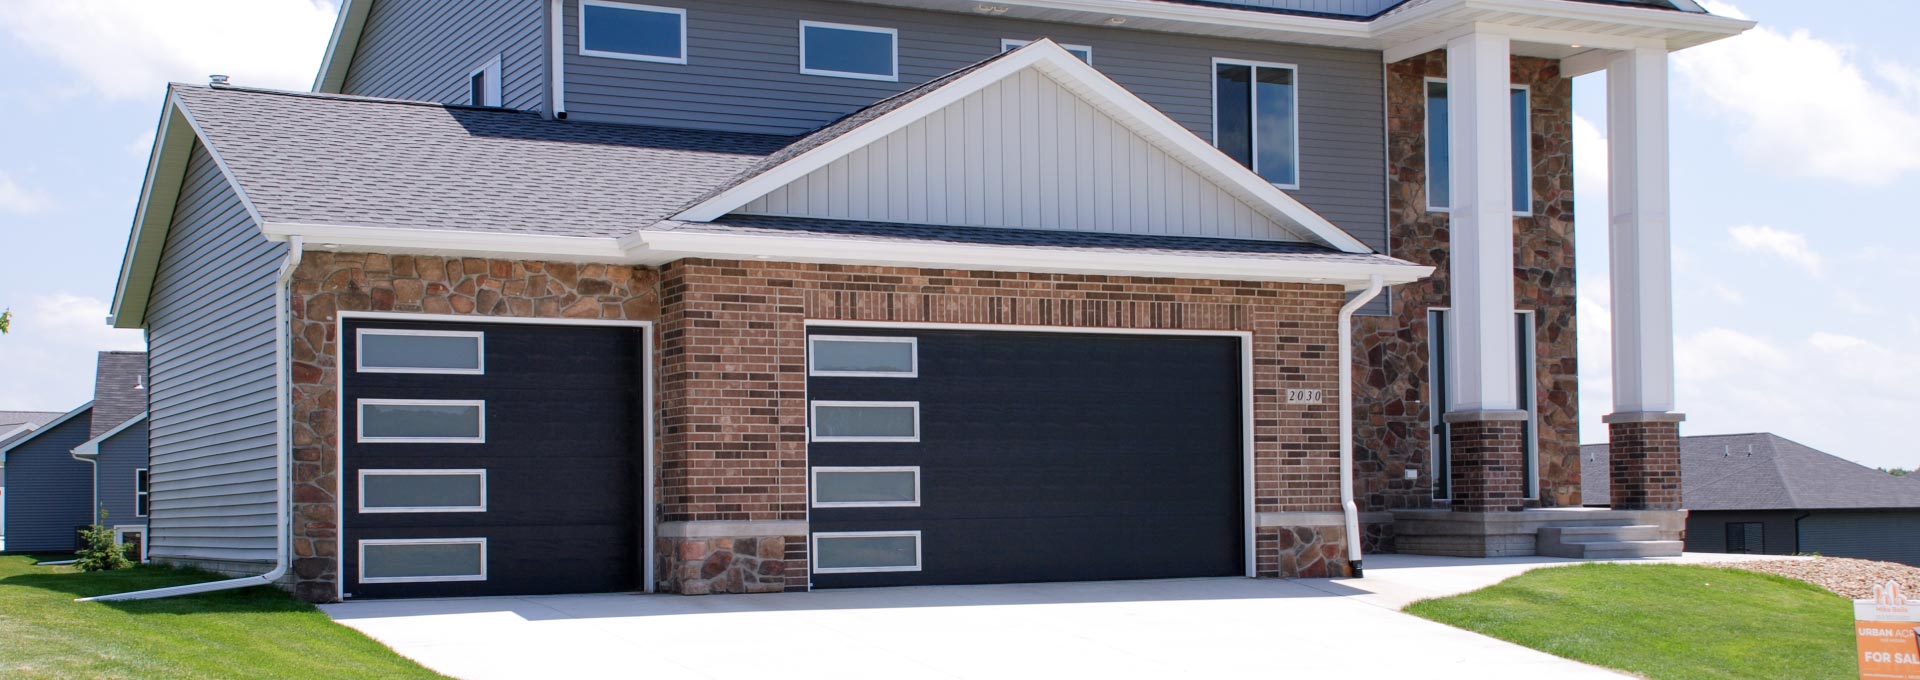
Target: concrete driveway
point(1231, 627)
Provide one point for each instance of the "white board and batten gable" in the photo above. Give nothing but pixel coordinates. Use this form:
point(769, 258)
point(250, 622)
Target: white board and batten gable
point(1034, 140)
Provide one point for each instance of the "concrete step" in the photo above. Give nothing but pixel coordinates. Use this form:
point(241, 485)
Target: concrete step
point(1614, 550)
point(1604, 542)
point(1631, 532)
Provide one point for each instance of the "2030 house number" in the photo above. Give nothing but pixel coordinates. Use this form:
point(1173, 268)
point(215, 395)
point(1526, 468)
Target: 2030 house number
point(1303, 396)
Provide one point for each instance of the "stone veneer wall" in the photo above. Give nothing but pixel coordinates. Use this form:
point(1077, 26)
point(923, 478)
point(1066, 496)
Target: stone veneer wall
point(732, 395)
point(1390, 353)
point(328, 283)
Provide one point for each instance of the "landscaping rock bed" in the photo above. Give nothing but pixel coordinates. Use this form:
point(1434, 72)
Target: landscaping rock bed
point(1850, 578)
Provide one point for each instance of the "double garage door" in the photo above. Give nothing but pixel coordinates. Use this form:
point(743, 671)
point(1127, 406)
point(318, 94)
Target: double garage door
point(506, 459)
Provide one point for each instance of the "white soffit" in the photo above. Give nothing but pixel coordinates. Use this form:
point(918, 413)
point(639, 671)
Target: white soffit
point(1069, 73)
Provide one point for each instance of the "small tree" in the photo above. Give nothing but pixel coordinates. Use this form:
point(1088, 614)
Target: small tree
point(6, 320)
point(102, 552)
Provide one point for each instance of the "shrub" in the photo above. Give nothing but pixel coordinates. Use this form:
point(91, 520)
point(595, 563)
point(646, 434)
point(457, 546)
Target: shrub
point(101, 553)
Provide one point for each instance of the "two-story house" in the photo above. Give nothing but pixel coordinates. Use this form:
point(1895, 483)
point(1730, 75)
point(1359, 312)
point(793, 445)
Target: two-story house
point(533, 296)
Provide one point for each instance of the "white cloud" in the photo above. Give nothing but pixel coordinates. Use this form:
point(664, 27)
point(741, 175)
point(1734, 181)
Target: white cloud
point(21, 200)
point(49, 354)
point(1803, 106)
point(1589, 157)
point(1780, 243)
point(1719, 352)
point(127, 48)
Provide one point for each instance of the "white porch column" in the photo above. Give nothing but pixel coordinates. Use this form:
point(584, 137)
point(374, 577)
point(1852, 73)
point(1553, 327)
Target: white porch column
point(1481, 239)
point(1642, 262)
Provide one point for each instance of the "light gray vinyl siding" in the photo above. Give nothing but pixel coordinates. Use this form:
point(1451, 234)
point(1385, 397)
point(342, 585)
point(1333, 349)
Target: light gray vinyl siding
point(743, 75)
point(426, 50)
point(1864, 534)
point(120, 456)
point(48, 491)
point(211, 341)
point(1024, 152)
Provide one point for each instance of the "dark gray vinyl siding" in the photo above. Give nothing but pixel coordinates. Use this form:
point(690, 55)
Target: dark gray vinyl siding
point(211, 340)
point(1707, 530)
point(743, 75)
point(120, 456)
point(48, 491)
point(426, 49)
point(1865, 534)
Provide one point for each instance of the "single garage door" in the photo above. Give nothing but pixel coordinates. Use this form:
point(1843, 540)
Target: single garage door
point(949, 457)
point(491, 459)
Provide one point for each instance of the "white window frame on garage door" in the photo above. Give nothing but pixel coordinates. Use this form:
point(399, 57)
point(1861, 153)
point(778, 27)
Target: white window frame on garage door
point(814, 486)
point(813, 416)
point(919, 551)
point(360, 549)
point(360, 421)
point(479, 348)
point(361, 498)
point(913, 344)
point(648, 367)
point(1247, 516)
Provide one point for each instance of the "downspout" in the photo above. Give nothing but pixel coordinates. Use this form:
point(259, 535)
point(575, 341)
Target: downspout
point(557, 58)
point(1347, 506)
point(296, 249)
point(1796, 532)
point(91, 459)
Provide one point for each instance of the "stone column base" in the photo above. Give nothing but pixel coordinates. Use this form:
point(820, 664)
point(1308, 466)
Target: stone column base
point(1488, 470)
point(1643, 451)
point(1302, 551)
point(744, 564)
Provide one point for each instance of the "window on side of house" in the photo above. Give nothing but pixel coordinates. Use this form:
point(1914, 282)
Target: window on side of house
point(1746, 537)
point(1084, 52)
point(1256, 118)
point(1439, 151)
point(483, 84)
point(1440, 372)
point(848, 51)
point(625, 30)
point(142, 497)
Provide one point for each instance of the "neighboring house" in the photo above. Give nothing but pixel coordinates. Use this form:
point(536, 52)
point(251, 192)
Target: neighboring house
point(757, 295)
point(14, 426)
point(1766, 494)
point(88, 460)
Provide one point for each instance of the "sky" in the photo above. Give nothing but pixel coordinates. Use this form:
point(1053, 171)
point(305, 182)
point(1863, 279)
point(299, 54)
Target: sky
point(1793, 147)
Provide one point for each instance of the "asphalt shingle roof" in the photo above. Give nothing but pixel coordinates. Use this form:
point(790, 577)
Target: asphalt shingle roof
point(119, 390)
point(1762, 472)
point(1083, 240)
point(354, 161)
point(11, 423)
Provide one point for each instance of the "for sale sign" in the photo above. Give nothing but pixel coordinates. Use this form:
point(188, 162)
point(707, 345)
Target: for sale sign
point(1884, 629)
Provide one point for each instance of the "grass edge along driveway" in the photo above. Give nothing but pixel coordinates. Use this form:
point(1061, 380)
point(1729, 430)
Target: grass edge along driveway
point(1664, 620)
point(258, 632)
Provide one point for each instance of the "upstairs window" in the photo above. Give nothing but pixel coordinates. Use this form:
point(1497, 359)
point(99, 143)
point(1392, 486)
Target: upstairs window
point(845, 51)
point(1084, 52)
point(1256, 118)
point(623, 30)
point(1439, 164)
point(483, 84)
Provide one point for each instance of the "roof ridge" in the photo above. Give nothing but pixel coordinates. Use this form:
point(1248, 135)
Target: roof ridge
point(329, 96)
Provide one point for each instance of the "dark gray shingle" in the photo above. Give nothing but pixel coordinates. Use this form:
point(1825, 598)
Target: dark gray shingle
point(1762, 472)
point(119, 390)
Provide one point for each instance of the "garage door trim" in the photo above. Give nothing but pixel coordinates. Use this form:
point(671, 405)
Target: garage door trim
point(648, 373)
point(1247, 523)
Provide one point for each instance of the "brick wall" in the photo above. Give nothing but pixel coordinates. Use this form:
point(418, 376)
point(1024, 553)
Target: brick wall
point(733, 373)
point(1391, 411)
point(1486, 465)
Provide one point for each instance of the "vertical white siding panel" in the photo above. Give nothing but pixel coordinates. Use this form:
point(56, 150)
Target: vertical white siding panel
point(1022, 153)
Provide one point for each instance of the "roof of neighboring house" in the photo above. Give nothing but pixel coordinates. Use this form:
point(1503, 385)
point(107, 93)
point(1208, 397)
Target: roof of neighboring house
point(21, 438)
point(1762, 471)
point(119, 390)
point(15, 425)
point(1363, 11)
point(304, 158)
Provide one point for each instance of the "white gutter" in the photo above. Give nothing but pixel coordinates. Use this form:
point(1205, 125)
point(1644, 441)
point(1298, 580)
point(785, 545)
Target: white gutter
point(296, 249)
point(1347, 506)
point(89, 452)
point(95, 476)
point(557, 56)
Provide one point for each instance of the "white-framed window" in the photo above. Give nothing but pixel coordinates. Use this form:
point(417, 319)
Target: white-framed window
point(1440, 154)
point(1440, 375)
point(1527, 397)
point(400, 350)
point(855, 552)
point(849, 51)
point(1084, 52)
point(625, 30)
point(422, 560)
point(1256, 117)
point(135, 540)
point(142, 494)
point(422, 421)
point(416, 491)
point(866, 487)
point(863, 356)
point(483, 84)
point(865, 421)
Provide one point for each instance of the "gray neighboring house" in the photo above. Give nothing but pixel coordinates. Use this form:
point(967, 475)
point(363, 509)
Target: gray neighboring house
point(14, 426)
point(1766, 494)
point(76, 464)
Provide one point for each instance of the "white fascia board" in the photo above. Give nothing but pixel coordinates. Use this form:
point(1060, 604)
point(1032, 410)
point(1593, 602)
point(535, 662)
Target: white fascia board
point(1075, 75)
point(341, 46)
point(43, 429)
point(449, 241)
point(666, 246)
point(91, 448)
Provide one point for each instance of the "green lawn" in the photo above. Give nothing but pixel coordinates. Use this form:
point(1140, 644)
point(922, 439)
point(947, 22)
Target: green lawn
point(1665, 621)
point(252, 633)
